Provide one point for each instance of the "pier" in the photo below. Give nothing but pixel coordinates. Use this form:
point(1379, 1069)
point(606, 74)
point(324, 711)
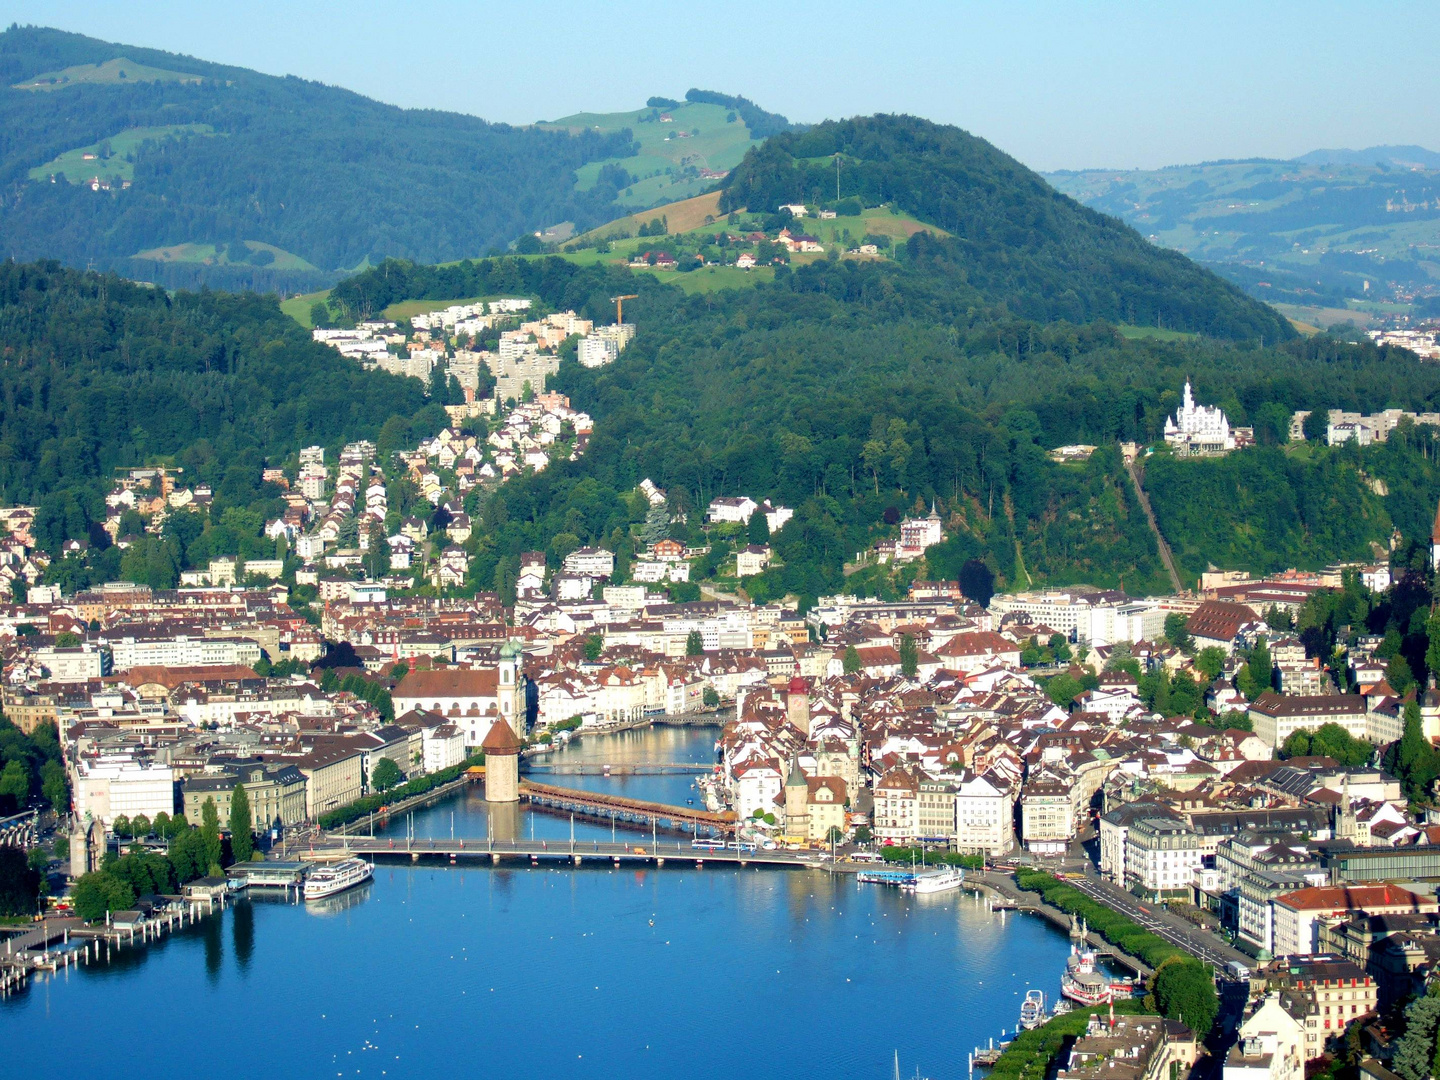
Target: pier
point(54, 944)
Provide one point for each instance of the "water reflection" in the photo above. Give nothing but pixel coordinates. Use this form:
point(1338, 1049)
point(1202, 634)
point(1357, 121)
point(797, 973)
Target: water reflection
point(242, 933)
point(214, 953)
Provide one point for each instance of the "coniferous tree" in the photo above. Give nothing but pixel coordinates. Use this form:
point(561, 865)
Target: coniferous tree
point(210, 834)
point(909, 656)
point(242, 840)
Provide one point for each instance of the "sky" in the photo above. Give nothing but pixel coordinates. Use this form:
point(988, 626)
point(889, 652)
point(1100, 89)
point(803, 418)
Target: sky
point(1099, 84)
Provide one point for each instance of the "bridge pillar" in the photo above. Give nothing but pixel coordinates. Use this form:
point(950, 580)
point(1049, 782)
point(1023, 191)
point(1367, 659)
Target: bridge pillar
point(577, 859)
point(699, 864)
point(495, 857)
point(414, 856)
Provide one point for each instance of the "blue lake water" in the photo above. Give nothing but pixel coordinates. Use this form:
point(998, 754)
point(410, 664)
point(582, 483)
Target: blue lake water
point(549, 972)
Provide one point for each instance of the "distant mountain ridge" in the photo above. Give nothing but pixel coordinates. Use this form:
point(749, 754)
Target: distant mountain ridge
point(250, 163)
point(1405, 157)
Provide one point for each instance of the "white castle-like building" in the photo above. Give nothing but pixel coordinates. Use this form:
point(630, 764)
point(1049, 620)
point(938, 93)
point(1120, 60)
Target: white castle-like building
point(1199, 429)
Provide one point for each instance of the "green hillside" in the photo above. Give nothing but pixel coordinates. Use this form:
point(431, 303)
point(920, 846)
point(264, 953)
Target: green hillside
point(192, 155)
point(1339, 235)
point(102, 373)
point(1013, 237)
point(681, 148)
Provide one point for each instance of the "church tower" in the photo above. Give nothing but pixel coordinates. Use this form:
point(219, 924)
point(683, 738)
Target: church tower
point(512, 658)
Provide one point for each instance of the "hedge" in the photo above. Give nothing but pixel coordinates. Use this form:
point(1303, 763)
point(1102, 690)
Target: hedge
point(1029, 1055)
point(1124, 933)
point(419, 786)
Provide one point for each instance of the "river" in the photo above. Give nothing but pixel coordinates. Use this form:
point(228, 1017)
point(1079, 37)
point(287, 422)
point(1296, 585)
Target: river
point(549, 972)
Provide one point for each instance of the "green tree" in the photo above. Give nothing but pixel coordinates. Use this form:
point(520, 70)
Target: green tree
point(98, 893)
point(1210, 661)
point(54, 786)
point(140, 826)
point(758, 531)
point(850, 660)
point(242, 839)
point(909, 656)
point(1415, 759)
point(1185, 990)
point(162, 825)
point(1176, 632)
point(121, 825)
point(1414, 1052)
point(594, 646)
point(188, 854)
point(15, 780)
point(694, 644)
point(386, 775)
point(1317, 425)
point(210, 834)
point(19, 883)
point(67, 639)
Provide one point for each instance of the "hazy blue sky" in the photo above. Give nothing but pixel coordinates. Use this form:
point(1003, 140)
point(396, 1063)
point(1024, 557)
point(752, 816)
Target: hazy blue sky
point(1059, 85)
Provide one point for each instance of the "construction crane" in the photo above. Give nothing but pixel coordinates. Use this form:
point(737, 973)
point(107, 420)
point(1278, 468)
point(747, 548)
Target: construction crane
point(620, 306)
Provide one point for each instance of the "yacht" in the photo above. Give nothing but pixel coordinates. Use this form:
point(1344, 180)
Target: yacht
point(329, 880)
point(938, 881)
point(1032, 1009)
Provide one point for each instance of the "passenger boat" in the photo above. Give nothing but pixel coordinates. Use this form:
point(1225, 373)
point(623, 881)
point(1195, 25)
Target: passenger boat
point(1032, 1009)
point(329, 880)
point(942, 880)
point(1083, 983)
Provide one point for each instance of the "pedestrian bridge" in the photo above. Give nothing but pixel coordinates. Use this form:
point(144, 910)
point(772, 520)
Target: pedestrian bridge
point(619, 768)
point(618, 808)
point(574, 852)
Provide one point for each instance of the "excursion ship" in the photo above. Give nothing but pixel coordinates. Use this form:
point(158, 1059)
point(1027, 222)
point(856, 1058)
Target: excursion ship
point(1083, 983)
point(936, 881)
point(329, 880)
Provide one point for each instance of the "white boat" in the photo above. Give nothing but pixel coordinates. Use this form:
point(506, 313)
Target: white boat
point(1082, 982)
point(937, 881)
point(329, 880)
point(1032, 1009)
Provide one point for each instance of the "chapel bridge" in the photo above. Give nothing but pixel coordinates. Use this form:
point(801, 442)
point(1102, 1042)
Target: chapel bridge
point(576, 852)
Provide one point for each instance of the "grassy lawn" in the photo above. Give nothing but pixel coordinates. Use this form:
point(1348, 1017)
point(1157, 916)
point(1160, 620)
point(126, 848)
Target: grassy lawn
point(1143, 333)
point(298, 307)
point(208, 254)
point(76, 168)
point(114, 71)
point(712, 278)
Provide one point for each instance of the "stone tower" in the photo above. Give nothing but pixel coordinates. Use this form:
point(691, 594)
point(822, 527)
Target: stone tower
point(797, 801)
point(502, 763)
point(512, 658)
point(797, 705)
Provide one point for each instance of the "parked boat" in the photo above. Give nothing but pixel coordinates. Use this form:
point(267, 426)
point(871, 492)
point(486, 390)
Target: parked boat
point(329, 880)
point(1032, 1009)
point(1082, 982)
point(935, 881)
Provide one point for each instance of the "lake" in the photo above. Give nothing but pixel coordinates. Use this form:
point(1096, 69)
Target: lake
point(592, 972)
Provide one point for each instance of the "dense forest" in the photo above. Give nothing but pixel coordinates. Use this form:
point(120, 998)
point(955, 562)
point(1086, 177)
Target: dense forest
point(317, 171)
point(858, 391)
point(1013, 237)
point(99, 373)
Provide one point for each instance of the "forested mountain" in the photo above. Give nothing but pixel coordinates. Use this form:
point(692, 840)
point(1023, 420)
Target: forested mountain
point(99, 373)
point(241, 179)
point(856, 391)
point(1015, 239)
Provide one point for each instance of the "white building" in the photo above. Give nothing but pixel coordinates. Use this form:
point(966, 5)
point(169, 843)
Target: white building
point(1199, 429)
point(591, 562)
point(1161, 855)
point(730, 509)
point(1270, 1046)
point(984, 816)
point(110, 787)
